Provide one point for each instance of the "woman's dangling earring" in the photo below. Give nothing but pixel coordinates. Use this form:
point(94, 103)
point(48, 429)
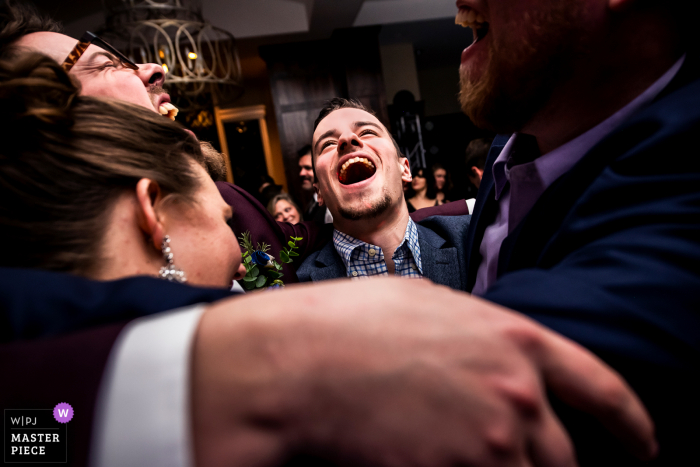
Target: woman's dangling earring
point(170, 272)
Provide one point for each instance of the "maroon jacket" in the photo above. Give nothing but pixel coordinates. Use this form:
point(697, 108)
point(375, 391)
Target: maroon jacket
point(40, 373)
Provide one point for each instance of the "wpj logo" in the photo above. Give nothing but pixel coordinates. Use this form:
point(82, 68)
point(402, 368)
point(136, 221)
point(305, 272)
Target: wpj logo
point(37, 435)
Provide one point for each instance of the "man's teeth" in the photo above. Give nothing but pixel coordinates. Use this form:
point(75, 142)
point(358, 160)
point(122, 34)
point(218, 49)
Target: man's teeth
point(354, 160)
point(168, 109)
point(468, 18)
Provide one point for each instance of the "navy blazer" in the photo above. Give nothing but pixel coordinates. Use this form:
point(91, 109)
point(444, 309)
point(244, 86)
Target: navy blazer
point(441, 240)
point(610, 257)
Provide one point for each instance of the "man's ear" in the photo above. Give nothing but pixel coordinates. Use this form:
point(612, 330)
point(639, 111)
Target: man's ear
point(149, 197)
point(405, 170)
point(319, 198)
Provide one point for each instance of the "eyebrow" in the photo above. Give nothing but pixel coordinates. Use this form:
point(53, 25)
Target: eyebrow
point(361, 124)
point(324, 136)
point(104, 53)
point(355, 125)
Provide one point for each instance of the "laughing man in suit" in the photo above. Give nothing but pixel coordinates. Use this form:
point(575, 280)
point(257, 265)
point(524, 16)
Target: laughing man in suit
point(359, 171)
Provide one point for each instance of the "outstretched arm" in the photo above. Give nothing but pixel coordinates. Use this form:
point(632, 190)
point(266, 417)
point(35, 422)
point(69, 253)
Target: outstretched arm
point(393, 372)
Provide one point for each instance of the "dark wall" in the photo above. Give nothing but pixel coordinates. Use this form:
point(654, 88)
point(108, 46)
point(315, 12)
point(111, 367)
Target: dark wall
point(304, 75)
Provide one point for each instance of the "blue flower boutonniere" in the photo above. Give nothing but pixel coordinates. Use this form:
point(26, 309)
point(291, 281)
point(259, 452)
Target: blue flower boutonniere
point(262, 270)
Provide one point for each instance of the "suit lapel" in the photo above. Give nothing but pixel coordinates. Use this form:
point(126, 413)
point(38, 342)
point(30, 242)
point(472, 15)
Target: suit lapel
point(485, 209)
point(328, 264)
point(439, 263)
point(536, 240)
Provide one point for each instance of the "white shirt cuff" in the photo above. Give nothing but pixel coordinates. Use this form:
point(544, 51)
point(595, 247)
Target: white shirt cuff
point(142, 415)
point(470, 205)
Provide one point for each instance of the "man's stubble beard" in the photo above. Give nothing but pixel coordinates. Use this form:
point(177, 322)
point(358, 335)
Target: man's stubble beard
point(519, 78)
point(375, 209)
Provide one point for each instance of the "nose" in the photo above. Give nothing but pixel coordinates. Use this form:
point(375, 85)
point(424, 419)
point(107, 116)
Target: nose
point(240, 273)
point(151, 74)
point(348, 141)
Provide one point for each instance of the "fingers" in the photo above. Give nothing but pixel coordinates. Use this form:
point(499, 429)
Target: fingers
point(584, 382)
point(550, 445)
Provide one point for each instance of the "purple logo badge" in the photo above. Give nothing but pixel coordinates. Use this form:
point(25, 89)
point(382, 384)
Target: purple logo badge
point(63, 412)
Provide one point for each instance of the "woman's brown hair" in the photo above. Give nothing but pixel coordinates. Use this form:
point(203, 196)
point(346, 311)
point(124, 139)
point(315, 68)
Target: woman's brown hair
point(64, 160)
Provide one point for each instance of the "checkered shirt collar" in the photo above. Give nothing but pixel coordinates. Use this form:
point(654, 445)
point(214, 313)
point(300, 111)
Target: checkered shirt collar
point(356, 253)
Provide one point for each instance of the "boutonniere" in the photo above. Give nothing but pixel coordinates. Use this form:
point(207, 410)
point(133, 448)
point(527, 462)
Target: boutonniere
point(261, 269)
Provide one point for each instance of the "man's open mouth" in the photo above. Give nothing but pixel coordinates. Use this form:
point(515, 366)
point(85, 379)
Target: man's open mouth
point(469, 18)
point(356, 170)
point(168, 110)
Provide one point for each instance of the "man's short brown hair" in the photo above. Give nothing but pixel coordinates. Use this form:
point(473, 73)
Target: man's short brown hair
point(338, 103)
point(476, 153)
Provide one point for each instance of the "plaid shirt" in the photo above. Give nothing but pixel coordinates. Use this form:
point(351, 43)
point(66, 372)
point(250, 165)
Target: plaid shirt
point(363, 260)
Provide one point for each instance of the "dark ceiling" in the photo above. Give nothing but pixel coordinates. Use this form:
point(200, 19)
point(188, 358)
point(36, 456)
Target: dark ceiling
point(68, 11)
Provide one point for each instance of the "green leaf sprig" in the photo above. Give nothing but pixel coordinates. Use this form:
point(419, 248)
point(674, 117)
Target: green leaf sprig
point(262, 270)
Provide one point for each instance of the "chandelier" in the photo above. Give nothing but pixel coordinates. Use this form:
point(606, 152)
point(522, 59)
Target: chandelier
point(200, 61)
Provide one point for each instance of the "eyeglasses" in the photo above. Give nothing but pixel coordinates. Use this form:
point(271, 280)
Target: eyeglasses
point(82, 45)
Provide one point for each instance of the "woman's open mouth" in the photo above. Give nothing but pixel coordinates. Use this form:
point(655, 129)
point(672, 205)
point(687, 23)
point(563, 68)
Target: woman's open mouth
point(356, 170)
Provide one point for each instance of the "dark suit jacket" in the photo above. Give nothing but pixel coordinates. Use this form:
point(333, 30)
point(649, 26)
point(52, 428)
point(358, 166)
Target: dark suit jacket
point(441, 240)
point(610, 257)
point(315, 213)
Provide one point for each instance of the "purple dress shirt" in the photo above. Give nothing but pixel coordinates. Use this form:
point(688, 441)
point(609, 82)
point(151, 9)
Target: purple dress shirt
point(518, 186)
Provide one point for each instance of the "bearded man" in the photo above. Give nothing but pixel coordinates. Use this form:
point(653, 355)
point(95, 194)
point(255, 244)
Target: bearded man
point(576, 224)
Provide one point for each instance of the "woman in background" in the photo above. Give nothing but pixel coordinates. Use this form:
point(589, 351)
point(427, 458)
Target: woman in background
point(422, 192)
point(443, 183)
point(284, 209)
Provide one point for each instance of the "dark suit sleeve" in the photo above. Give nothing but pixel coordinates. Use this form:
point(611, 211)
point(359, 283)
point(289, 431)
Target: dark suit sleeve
point(250, 215)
